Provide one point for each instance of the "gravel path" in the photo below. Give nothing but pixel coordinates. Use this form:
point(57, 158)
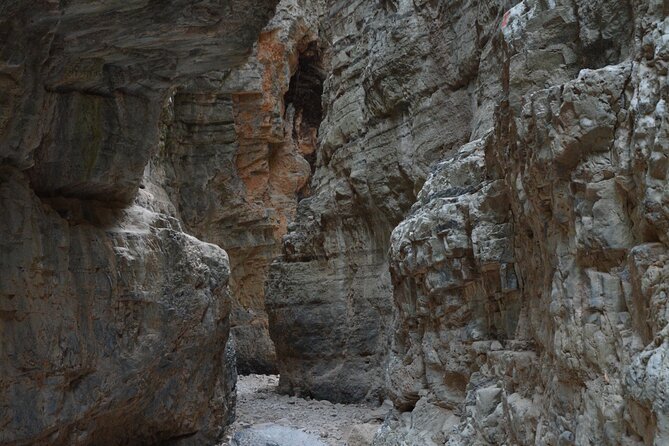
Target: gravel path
point(336, 424)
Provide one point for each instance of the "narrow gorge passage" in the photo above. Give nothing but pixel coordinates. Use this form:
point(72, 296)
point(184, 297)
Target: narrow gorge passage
point(402, 222)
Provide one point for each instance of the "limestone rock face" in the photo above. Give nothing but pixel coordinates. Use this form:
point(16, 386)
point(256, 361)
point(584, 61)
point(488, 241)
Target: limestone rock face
point(458, 205)
point(237, 156)
point(330, 298)
point(120, 339)
point(487, 232)
point(105, 66)
point(401, 92)
point(113, 320)
point(517, 275)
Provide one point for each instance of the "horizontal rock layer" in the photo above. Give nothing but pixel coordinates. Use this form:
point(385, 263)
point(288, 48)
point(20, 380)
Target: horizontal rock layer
point(237, 150)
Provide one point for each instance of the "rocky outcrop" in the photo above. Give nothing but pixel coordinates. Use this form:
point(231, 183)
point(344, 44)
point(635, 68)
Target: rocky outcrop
point(109, 319)
point(330, 298)
point(113, 320)
point(403, 89)
point(459, 205)
point(237, 148)
point(525, 301)
point(520, 315)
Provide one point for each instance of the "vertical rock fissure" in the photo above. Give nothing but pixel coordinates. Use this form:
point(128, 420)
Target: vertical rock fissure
point(303, 106)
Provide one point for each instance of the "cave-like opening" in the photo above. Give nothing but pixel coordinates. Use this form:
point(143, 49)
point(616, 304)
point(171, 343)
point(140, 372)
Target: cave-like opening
point(303, 102)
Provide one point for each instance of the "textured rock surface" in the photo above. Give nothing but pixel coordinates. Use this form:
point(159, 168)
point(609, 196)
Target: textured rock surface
point(329, 299)
point(482, 233)
point(105, 66)
point(402, 90)
point(113, 321)
point(516, 276)
point(236, 151)
point(106, 328)
point(526, 283)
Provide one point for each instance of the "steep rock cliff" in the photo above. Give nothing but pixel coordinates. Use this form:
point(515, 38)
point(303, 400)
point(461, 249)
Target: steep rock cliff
point(114, 322)
point(237, 150)
point(521, 313)
point(384, 90)
point(526, 282)
point(465, 204)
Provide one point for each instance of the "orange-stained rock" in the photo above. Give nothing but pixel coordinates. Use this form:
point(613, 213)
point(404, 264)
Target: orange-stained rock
point(237, 148)
point(114, 322)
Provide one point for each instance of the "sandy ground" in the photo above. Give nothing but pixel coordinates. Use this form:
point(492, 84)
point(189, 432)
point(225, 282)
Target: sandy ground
point(258, 402)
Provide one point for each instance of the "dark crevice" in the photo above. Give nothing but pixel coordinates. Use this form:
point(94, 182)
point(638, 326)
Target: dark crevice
point(306, 88)
point(304, 96)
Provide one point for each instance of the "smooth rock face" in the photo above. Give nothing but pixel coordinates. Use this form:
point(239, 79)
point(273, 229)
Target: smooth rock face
point(114, 323)
point(85, 83)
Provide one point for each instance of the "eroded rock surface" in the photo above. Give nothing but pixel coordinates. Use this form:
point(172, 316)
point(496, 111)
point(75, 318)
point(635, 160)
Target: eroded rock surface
point(521, 316)
point(506, 164)
point(113, 321)
point(466, 201)
point(120, 338)
point(237, 151)
point(330, 298)
point(406, 86)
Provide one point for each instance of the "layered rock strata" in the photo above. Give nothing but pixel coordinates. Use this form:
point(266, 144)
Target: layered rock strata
point(113, 321)
point(481, 233)
point(237, 152)
point(526, 282)
point(401, 92)
point(521, 314)
point(330, 297)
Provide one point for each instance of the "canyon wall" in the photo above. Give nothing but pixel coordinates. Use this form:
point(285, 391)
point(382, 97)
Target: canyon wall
point(486, 238)
point(400, 94)
point(236, 157)
point(113, 321)
point(457, 205)
point(528, 278)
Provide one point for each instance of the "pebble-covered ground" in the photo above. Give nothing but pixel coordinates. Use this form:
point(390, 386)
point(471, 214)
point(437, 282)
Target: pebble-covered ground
point(335, 424)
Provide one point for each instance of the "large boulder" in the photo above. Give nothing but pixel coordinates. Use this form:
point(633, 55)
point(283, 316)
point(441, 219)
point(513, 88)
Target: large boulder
point(114, 321)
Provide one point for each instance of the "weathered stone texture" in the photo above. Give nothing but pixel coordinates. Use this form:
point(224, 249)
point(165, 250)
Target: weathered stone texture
point(538, 331)
point(329, 299)
point(236, 153)
point(482, 232)
point(106, 328)
point(113, 321)
point(526, 283)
